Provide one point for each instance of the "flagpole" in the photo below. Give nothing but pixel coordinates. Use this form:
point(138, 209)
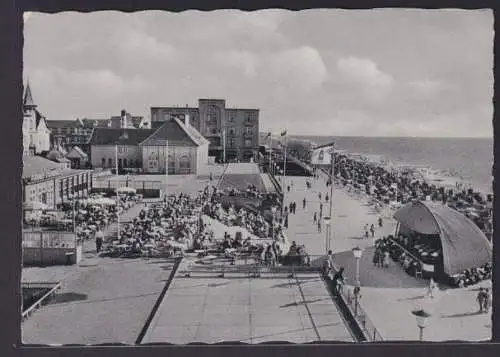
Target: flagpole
point(332, 179)
point(166, 171)
point(224, 145)
point(271, 167)
point(284, 175)
point(117, 196)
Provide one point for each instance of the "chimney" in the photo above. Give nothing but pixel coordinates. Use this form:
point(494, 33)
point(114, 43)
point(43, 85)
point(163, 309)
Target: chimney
point(123, 119)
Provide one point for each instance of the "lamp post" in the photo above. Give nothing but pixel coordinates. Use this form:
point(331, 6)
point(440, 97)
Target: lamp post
point(357, 252)
point(422, 317)
point(328, 222)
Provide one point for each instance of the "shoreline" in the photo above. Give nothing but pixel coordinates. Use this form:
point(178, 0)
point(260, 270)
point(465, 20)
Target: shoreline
point(440, 177)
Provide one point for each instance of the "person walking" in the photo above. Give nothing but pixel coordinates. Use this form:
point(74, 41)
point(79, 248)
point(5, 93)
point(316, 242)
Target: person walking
point(304, 203)
point(376, 257)
point(338, 281)
point(315, 218)
point(326, 198)
point(288, 188)
point(386, 259)
point(487, 300)
point(319, 196)
point(319, 226)
point(328, 266)
point(380, 222)
point(372, 230)
point(99, 239)
point(480, 300)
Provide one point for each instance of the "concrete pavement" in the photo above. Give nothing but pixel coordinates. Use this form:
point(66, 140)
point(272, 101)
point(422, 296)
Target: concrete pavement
point(251, 310)
point(390, 294)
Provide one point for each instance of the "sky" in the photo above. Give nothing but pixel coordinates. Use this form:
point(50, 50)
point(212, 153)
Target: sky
point(387, 72)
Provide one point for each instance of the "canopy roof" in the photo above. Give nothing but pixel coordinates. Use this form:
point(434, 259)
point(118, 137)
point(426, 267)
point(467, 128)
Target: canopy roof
point(464, 245)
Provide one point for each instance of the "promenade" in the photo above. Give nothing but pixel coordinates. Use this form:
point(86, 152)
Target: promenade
point(388, 295)
point(211, 309)
point(103, 300)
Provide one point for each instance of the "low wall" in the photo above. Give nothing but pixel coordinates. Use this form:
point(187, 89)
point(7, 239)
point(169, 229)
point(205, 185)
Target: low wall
point(51, 256)
point(146, 193)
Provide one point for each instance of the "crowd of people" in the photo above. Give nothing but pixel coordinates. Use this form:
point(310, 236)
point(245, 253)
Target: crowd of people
point(164, 228)
point(402, 186)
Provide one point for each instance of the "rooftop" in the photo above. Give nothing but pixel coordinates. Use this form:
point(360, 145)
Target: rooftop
point(112, 136)
point(37, 165)
point(176, 133)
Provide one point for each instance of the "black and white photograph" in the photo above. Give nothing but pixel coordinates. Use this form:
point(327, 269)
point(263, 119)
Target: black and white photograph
point(321, 175)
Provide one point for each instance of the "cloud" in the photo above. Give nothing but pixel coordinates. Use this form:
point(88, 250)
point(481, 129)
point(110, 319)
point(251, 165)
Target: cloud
point(141, 45)
point(364, 71)
point(88, 83)
point(301, 67)
point(427, 87)
point(243, 60)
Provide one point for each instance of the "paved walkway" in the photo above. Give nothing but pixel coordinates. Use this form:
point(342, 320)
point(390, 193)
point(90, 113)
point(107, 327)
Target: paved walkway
point(252, 310)
point(389, 295)
point(103, 300)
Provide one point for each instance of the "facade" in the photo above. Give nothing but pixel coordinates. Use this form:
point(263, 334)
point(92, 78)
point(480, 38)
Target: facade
point(69, 133)
point(52, 183)
point(36, 134)
point(233, 133)
point(105, 142)
point(148, 149)
point(185, 147)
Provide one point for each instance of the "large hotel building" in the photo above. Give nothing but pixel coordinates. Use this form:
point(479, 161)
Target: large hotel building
point(233, 133)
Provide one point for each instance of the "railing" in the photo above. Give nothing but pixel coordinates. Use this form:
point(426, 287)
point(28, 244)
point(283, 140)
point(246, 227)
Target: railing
point(44, 299)
point(250, 265)
point(48, 239)
point(360, 316)
point(139, 185)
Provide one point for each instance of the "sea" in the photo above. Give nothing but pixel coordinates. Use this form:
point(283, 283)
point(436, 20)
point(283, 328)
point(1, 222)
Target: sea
point(469, 159)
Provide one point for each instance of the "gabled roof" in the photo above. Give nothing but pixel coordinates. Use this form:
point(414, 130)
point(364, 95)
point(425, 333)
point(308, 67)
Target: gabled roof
point(55, 124)
point(132, 121)
point(112, 136)
point(94, 123)
point(28, 97)
point(36, 165)
point(174, 132)
point(77, 153)
point(194, 134)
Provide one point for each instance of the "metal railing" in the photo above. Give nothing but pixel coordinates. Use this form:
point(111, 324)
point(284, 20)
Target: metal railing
point(359, 314)
point(250, 265)
point(43, 300)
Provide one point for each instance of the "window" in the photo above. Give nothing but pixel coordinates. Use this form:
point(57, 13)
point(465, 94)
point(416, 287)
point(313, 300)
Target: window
point(110, 162)
point(248, 142)
point(248, 131)
point(232, 131)
point(232, 143)
point(125, 163)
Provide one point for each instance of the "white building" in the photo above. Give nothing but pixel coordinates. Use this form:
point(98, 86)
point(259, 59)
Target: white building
point(36, 135)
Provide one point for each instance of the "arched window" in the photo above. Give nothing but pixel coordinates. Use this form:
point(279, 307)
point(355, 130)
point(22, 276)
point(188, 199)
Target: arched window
point(103, 162)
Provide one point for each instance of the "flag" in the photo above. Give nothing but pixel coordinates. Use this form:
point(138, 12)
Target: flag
point(283, 133)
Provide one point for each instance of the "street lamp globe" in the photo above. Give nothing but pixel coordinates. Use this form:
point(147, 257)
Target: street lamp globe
point(357, 252)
